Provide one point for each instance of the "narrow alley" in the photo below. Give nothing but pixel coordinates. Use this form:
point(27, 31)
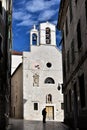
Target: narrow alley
point(35, 125)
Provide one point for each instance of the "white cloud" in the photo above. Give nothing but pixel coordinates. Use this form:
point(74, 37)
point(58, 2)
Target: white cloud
point(46, 14)
point(35, 5)
point(26, 17)
point(27, 23)
point(27, 13)
point(39, 5)
point(19, 15)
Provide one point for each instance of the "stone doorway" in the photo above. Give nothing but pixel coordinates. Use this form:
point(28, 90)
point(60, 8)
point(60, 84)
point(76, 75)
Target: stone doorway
point(50, 112)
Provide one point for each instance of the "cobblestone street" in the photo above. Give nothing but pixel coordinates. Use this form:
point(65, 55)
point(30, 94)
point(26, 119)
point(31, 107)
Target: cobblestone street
point(35, 125)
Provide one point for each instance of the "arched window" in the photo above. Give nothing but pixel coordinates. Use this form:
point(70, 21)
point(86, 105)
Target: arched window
point(48, 36)
point(49, 98)
point(34, 39)
point(49, 80)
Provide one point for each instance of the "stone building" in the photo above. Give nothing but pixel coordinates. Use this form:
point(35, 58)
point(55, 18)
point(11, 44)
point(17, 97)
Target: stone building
point(42, 71)
point(17, 93)
point(16, 59)
point(5, 60)
point(72, 21)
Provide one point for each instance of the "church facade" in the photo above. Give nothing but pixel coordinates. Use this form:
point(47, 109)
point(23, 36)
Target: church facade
point(42, 72)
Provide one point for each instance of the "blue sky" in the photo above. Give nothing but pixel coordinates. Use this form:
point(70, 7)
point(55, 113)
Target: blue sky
point(25, 14)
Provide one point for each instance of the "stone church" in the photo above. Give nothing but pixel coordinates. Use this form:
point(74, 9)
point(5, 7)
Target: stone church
point(42, 72)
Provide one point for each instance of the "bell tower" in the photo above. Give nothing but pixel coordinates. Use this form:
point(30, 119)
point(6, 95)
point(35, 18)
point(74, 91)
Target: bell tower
point(47, 34)
point(34, 37)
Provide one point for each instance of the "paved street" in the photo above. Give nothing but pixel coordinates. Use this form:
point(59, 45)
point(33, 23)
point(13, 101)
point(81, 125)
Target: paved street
point(35, 125)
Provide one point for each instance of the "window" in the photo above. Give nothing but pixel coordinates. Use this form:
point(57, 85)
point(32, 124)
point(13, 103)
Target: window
point(79, 35)
point(1, 47)
point(66, 27)
point(76, 1)
point(35, 106)
point(48, 30)
point(49, 98)
point(34, 39)
point(47, 41)
point(48, 36)
point(70, 9)
point(66, 103)
point(0, 7)
point(86, 9)
point(63, 52)
point(82, 90)
point(72, 52)
point(49, 64)
point(75, 97)
point(70, 108)
point(63, 41)
point(49, 80)
point(64, 69)
point(16, 98)
point(14, 111)
point(68, 61)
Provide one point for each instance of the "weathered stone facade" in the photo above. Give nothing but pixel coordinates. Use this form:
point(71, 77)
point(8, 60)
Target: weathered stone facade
point(17, 93)
point(42, 71)
point(73, 23)
point(5, 60)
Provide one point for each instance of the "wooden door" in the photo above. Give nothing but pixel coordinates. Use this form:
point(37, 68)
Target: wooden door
point(50, 112)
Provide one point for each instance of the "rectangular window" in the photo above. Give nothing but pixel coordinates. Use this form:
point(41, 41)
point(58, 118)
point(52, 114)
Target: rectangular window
point(63, 54)
point(76, 1)
point(72, 52)
point(0, 7)
point(66, 104)
point(70, 10)
point(62, 106)
point(86, 9)
point(35, 106)
point(70, 107)
point(82, 90)
point(79, 40)
point(14, 111)
point(64, 69)
point(75, 97)
point(68, 61)
point(66, 26)
point(63, 40)
point(0, 47)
